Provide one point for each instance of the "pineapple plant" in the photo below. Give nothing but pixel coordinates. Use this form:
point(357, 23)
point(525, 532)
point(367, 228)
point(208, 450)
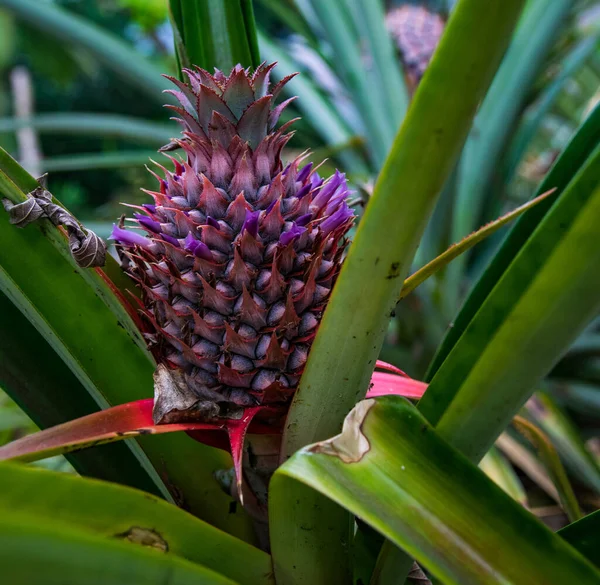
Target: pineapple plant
point(252, 319)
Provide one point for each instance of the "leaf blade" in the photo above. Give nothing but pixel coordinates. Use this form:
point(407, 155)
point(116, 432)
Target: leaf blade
point(406, 483)
point(69, 501)
point(529, 313)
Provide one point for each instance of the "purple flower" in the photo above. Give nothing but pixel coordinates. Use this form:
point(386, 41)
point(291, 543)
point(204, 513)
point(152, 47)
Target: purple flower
point(127, 238)
point(343, 214)
point(148, 223)
point(251, 223)
point(295, 232)
point(198, 248)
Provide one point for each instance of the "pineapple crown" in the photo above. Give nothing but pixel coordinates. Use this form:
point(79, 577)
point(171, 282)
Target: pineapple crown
point(240, 252)
point(223, 108)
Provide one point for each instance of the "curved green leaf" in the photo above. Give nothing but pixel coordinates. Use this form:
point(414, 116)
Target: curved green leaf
point(356, 32)
point(392, 469)
point(111, 511)
point(500, 471)
point(527, 462)
point(46, 554)
point(534, 116)
point(110, 125)
point(540, 304)
point(548, 455)
point(544, 411)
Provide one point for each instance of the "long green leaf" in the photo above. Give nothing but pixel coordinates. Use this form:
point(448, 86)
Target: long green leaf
point(454, 251)
point(548, 455)
point(370, 20)
point(480, 159)
point(539, 306)
point(290, 17)
point(15, 182)
point(40, 382)
point(351, 333)
point(109, 510)
point(578, 150)
point(343, 36)
point(500, 471)
point(109, 125)
point(49, 554)
point(543, 410)
point(215, 33)
point(104, 46)
point(109, 160)
point(390, 468)
point(527, 462)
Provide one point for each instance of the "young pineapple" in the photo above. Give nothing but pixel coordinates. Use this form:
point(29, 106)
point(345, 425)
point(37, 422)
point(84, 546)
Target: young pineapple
point(417, 32)
point(240, 252)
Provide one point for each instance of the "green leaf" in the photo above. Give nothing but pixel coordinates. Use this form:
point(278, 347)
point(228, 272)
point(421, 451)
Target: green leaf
point(491, 129)
point(49, 554)
point(308, 549)
point(421, 275)
point(105, 160)
point(66, 311)
point(578, 150)
point(551, 460)
point(108, 49)
point(543, 410)
point(540, 304)
point(40, 382)
point(352, 331)
point(390, 468)
point(527, 462)
point(290, 17)
point(215, 33)
point(109, 125)
point(112, 512)
point(583, 535)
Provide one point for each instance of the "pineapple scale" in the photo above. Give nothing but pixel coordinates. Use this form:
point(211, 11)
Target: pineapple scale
point(240, 252)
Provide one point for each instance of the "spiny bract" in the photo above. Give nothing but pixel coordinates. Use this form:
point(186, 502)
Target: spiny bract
point(241, 252)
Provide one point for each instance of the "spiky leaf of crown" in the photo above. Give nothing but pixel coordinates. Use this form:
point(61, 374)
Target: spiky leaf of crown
point(241, 252)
